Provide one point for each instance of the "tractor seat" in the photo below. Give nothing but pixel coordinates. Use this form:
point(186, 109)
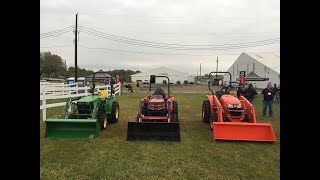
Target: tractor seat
point(103, 94)
point(159, 91)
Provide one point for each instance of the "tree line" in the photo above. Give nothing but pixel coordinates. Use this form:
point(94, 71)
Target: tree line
point(53, 66)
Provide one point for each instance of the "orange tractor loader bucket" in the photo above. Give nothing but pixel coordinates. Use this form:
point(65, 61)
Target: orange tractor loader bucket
point(243, 131)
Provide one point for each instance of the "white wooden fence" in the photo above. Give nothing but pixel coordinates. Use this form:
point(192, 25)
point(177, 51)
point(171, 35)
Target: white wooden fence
point(61, 91)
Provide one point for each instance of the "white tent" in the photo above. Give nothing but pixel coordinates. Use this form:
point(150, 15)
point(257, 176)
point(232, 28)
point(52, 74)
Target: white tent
point(173, 75)
point(264, 65)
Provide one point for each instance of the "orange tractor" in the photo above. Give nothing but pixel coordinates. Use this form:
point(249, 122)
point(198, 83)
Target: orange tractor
point(231, 118)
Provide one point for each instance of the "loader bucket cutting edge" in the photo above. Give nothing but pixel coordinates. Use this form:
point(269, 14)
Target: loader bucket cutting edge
point(162, 131)
point(243, 131)
point(71, 128)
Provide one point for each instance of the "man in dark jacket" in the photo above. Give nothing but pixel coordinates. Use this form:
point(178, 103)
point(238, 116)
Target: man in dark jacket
point(277, 91)
point(240, 91)
point(250, 93)
point(268, 97)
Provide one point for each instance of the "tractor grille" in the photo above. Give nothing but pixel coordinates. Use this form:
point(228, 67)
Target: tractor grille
point(156, 113)
point(235, 111)
point(83, 108)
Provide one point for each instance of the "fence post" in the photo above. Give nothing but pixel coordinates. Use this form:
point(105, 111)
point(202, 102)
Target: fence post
point(44, 111)
point(77, 88)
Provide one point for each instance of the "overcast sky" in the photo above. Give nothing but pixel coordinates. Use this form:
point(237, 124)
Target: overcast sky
point(191, 22)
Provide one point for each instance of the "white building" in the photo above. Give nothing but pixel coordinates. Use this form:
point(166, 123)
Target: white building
point(265, 65)
point(173, 75)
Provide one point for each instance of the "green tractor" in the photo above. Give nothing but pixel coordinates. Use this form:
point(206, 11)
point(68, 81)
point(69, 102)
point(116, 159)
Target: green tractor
point(85, 117)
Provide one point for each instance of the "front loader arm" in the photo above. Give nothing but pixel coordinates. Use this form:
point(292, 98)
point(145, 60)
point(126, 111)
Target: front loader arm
point(95, 110)
point(64, 113)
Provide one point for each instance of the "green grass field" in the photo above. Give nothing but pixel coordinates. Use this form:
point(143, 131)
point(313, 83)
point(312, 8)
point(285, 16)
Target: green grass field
point(197, 156)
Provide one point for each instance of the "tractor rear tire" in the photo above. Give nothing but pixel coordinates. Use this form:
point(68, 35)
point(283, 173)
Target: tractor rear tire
point(175, 109)
point(206, 111)
point(114, 112)
point(102, 119)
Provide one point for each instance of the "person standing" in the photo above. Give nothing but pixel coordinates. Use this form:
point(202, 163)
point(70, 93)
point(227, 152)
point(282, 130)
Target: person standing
point(279, 93)
point(250, 93)
point(245, 86)
point(268, 97)
point(276, 90)
point(240, 91)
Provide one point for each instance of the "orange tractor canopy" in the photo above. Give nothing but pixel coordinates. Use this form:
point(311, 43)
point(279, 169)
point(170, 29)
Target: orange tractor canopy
point(231, 118)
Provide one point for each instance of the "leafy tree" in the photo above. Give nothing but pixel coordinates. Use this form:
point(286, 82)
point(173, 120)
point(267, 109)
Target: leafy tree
point(51, 65)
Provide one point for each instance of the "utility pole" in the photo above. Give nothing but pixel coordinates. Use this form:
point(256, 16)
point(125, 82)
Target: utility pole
point(200, 70)
point(76, 51)
point(217, 69)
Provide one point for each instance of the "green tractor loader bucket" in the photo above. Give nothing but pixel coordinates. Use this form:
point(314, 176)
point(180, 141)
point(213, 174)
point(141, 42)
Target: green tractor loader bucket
point(162, 131)
point(72, 128)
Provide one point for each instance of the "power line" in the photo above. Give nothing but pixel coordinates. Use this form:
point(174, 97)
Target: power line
point(182, 48)
point(57, 30)
point(56, 33)
point(152, 42)
point(177, 46)
point(141, 52)
point(55, 46)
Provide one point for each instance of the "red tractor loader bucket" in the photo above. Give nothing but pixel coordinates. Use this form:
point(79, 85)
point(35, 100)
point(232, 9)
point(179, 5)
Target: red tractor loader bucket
point(161, 131)
point(243, 131)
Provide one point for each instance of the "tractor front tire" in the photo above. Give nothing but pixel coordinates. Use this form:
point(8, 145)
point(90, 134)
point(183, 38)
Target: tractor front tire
point(102, 119)
point(114, 113)
point(175, 109)
point(174, 117)
point(246, 119)
point(71, 116)
point(206, 111)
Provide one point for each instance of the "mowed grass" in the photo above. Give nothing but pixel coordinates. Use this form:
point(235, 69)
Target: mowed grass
point(197, 156)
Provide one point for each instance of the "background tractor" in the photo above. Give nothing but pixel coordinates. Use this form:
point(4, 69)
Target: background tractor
point(157, 117)
point(84, 117)
point(231, 118)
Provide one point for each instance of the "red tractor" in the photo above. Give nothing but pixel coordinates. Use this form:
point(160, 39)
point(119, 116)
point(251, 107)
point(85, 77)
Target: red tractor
point(231, 118)
point(157, 117)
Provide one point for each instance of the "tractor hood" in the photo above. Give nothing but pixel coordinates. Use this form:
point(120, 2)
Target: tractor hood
point(89, 99)
point(156, 100)
point(229, 99)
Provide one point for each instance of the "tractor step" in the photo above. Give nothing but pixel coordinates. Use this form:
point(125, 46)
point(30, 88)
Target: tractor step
point(71, 128)
point(162, 131)
point(243, 131)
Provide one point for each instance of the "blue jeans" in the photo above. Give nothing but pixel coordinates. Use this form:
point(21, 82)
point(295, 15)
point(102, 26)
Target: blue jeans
point(265, 105)
point(252, 101)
